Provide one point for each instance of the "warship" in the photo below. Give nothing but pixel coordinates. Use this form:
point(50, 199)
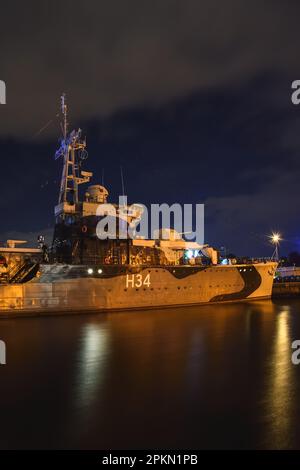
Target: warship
point(81, 272)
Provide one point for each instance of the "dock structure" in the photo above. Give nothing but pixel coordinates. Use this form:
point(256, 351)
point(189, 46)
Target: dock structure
point(286, 289)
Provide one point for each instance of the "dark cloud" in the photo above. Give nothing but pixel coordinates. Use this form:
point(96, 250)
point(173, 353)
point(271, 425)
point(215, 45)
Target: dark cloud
point(192, 98)
point(246, 220)
point(111, 55)
point(234, 149)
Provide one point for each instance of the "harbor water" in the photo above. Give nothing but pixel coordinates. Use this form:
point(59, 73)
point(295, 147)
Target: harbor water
point(207, 377)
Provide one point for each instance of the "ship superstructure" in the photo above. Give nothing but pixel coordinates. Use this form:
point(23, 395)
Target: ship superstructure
point(82, 271)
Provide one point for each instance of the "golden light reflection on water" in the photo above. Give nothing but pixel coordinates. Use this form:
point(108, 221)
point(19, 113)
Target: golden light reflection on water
point(90, 370)
point(280, 387)
point(181, 366)
point(217, 376)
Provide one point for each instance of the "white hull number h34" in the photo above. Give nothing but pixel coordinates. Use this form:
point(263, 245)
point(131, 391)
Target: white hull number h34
point(137, 280)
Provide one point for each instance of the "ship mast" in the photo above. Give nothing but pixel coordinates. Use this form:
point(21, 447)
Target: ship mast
point(72, 149)
point(64, 111)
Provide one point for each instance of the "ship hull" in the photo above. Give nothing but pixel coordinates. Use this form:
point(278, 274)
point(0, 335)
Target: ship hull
point(67, 288)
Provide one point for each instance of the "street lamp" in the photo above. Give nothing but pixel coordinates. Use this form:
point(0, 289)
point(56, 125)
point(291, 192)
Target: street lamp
point(275, 240)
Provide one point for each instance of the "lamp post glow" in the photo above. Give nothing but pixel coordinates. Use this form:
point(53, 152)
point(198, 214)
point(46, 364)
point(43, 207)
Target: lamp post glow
point(275, 240)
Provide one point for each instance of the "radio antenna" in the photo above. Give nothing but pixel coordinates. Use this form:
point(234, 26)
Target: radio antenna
point(64, 111)
point(122, 181)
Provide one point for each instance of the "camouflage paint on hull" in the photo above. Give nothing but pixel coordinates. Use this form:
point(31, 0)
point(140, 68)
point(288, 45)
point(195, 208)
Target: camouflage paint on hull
point(68, 288)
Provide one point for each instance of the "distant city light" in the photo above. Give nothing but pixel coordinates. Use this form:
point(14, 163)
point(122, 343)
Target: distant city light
point(90, 271)
point(99, 271)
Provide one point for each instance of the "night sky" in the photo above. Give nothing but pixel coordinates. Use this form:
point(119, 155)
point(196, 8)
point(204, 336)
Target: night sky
point(192, 98)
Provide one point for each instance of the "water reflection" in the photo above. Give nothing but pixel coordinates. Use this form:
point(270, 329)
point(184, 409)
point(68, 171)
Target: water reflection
point(216, 376)
point(280, 383)
point(90, 367)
